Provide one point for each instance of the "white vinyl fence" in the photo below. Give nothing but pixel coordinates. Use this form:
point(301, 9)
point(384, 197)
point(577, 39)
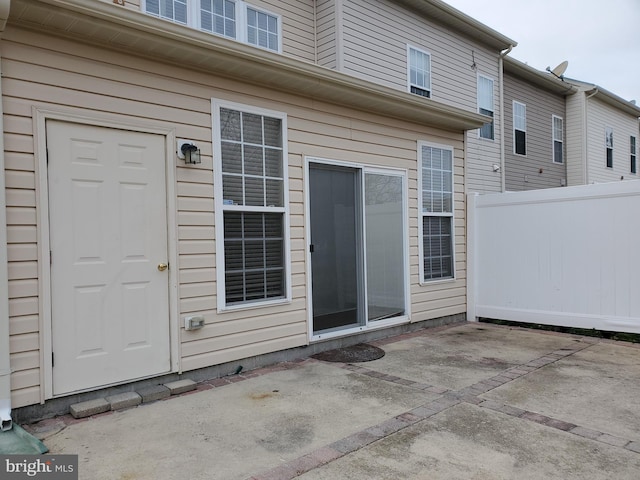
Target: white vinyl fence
point(562, 256)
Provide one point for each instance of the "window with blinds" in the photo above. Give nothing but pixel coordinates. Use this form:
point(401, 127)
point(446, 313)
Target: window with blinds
point(519, 128)
point(174, 10)
point(436, 192)
point(558, 139)
point(252, 210)
point(419, 72)
point(485, 105)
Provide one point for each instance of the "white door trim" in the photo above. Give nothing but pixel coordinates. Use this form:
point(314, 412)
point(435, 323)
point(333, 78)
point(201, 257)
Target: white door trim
point(120, 122)
point(366, 168)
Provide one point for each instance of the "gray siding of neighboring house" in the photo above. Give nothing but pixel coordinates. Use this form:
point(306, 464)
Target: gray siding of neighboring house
point(600, 116)
point(575, 140)
point(536, 169)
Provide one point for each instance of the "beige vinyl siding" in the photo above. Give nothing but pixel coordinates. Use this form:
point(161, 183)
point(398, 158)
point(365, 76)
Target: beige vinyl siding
point(575, 138)
point(600, 116)
point(327, 41)
point(375, 36)
point(298, 26)
point(536, 169)
point(69, 76)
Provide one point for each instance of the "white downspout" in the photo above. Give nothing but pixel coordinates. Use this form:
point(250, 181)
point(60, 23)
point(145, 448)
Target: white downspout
point(503, 173)
point(5, 360)
point(585, 135)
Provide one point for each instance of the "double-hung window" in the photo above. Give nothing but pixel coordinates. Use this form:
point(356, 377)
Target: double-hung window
point(174, 10)
point(251, 205)
point(558, 138)
point(632, 155)
point(519, 128)
point(608, 140)
point(436, 212)
point(419, 66)
point(234, 19)
point(485, 105)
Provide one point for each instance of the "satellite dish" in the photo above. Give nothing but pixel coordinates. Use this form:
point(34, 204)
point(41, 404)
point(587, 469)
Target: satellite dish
point(559, 70)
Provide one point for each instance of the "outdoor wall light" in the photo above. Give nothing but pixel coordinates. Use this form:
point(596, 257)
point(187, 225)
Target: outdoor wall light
point(189, 152)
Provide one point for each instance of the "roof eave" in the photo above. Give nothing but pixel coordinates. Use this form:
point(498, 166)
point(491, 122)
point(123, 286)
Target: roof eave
point(538, 78)
point(463, 23)
point(118, 28)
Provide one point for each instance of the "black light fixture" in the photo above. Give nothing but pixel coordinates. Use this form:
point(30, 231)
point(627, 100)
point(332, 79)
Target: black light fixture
point(189, 151)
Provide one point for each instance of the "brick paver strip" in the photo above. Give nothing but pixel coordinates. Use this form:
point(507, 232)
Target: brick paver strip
point(633, 446)
point(535, 417)
point(560, 425)
point(611, 440)
point(586, 432)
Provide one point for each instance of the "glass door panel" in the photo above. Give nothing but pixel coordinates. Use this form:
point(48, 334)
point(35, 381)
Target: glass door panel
point(384, 246)
point(335, 246)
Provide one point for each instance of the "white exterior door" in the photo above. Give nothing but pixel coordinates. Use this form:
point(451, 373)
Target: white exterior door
point(108, 241)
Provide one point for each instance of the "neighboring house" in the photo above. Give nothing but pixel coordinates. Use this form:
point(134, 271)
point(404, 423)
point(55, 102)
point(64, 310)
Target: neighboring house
point(325, 204)
point(430, 49)
point(602, 136)
point(535, 127)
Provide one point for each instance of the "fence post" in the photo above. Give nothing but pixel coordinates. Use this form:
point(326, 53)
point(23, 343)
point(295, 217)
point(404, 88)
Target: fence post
point(471, 257)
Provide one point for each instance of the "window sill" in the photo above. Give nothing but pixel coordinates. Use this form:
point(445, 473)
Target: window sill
point(254, 305)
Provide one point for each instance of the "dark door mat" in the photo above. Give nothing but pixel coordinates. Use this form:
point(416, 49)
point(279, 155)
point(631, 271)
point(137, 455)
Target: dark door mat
point(361, 352)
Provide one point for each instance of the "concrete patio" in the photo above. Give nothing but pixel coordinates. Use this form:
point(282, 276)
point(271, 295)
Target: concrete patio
point(468, 401)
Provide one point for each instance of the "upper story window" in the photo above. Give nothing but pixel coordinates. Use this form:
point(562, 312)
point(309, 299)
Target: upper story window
point(234, 19)
point(485, 105)
point(218, 16)
point(419, 66)
point(175, 10)
point(519, 128)
point(632, 154)
point(558, 139)
point(608, 140)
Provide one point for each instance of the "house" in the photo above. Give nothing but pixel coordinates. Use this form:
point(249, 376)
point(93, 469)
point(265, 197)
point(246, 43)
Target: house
point(602, 136)
point(535, 125)
point(190, 187)
point(561, 131)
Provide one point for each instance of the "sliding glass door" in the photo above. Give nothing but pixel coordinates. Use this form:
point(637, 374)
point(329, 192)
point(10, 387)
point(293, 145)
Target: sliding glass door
point(357, 246)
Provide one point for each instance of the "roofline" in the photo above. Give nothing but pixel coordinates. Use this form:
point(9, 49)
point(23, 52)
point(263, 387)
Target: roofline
point(135, 32)
point(538, 78)
point(463, 23)
point(610, 98)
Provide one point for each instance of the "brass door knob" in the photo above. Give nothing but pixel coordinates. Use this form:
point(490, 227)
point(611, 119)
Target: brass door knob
point(162, 267)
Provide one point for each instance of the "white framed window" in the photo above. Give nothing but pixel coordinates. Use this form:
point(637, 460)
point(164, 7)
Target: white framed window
point(519, 128)
point(174, 10)
point(485, 106)
point(234, 19)
point(633, 165)
point(608, 141)
point(419, 71)
point(436, 230)
point(219, 16)
point(252, 220)
point(557, 126)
